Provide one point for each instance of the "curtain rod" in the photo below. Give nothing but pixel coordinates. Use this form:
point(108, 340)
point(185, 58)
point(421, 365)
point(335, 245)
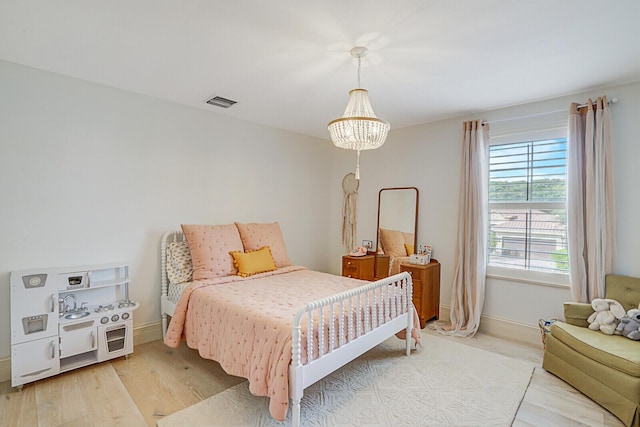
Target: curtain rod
point(613, 101)
point(544, 113)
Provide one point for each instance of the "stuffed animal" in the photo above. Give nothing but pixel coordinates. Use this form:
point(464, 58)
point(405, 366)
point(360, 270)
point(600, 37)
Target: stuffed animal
point(629, 325)
point(607, 315)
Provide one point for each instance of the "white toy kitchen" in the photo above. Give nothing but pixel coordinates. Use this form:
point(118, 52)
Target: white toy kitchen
point(66, 318)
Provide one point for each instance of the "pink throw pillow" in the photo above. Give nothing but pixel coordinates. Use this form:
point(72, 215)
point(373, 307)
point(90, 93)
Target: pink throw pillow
point(255, 236)
point(210, 246)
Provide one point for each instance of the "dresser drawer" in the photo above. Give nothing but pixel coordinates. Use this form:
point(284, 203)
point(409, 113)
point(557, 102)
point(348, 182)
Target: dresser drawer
point(416, 279)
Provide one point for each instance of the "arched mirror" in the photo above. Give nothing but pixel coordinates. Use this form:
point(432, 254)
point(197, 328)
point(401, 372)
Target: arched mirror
point(397, 230)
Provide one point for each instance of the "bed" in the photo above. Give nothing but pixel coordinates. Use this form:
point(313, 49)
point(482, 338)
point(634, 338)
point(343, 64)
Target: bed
point(258, 326)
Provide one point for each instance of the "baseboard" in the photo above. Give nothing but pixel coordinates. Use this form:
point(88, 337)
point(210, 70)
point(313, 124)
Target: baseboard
point(141, 335)
point(5, 369)
point(147, 333)
point(504, 329)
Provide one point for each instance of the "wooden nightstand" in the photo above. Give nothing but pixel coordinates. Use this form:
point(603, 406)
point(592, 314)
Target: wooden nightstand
point(426, 289)
point(363, 267)
point(358, 267)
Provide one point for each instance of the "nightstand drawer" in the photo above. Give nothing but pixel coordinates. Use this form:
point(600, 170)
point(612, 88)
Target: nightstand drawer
point(349, 270)
point(358, 267)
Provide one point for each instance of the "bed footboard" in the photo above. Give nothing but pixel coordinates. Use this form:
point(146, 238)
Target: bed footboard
point(345, 326)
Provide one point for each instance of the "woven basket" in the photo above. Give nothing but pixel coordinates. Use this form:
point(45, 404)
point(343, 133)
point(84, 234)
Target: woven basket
point(545, 327)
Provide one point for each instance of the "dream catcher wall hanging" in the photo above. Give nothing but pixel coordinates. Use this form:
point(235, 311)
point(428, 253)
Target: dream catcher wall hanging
point(350, 188)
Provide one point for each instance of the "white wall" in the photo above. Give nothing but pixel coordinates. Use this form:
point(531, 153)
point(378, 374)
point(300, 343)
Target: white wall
point(92, 174)
point(428, 157)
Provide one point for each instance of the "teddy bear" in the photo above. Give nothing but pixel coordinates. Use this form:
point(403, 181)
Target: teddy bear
point(607, 315)
point(629, 325)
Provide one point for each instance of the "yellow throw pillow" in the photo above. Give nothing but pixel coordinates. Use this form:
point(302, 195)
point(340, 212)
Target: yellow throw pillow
point(409, 248)
point(253, 262)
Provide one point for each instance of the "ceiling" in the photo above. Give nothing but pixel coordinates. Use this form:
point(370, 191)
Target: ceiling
point(287, 62)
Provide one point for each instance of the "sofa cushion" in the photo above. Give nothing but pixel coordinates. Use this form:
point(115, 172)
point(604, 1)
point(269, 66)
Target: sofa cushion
point(615, 351)
point(624, 289)
point(577, 313)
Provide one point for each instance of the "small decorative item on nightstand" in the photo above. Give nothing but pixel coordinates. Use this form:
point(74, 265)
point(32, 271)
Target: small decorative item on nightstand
point(358, 251)
point(419, 259)
point(425, 250)
point(426, 289)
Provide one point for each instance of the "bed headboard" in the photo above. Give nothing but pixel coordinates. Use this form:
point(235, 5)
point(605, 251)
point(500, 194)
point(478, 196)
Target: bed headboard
point(170, 236)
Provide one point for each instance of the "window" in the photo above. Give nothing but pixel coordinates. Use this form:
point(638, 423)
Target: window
point(527, 214)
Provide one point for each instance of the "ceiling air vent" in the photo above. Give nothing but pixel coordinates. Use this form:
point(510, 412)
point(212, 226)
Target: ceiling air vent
point(219, 101)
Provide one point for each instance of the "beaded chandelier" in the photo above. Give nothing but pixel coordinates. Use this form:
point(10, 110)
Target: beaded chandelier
point(358, 128)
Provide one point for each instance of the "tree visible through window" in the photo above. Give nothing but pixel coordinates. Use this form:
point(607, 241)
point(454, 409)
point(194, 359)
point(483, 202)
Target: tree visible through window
point(527, 214)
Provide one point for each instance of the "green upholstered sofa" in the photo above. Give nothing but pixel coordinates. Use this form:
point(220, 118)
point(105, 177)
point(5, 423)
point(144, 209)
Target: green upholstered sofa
point(606, 368)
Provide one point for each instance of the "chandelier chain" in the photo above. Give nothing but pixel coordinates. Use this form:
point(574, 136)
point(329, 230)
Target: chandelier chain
point(359, 62)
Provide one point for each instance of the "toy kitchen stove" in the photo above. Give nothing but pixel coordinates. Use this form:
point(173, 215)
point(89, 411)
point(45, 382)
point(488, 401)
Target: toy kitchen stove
point(113, 314)
point(62, 319)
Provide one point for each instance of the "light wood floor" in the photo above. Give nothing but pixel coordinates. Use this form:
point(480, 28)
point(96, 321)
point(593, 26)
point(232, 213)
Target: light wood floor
point(156, 381)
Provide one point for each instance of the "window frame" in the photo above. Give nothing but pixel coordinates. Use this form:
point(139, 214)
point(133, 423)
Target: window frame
point(560, 280)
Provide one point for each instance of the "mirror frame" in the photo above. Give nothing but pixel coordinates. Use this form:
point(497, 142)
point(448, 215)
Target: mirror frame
point(415, 225)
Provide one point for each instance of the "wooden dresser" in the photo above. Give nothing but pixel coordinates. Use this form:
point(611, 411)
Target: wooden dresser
point(426, 289)
point(363, 267)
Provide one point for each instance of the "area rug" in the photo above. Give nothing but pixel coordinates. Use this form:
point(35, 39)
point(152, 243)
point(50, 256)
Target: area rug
point(443, 384)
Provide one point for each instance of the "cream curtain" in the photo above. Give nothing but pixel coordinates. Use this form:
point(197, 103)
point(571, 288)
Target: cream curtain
point(590, 203)
point(467, 296)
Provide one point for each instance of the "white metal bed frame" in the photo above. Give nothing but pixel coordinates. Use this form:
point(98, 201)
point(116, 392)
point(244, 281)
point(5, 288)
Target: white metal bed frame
point(378, 310)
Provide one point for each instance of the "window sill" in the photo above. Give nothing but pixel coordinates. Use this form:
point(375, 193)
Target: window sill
point(539, 278)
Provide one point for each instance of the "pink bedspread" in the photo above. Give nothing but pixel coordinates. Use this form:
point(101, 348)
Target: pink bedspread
point(245, 324)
